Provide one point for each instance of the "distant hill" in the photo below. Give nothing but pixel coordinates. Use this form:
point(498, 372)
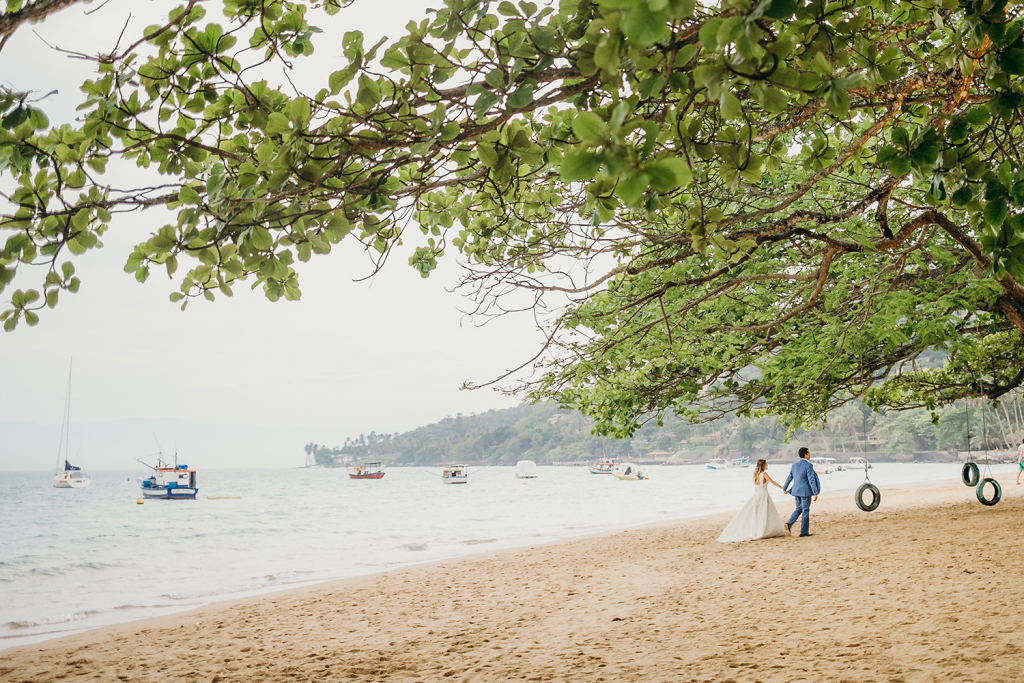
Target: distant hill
point(543, 433)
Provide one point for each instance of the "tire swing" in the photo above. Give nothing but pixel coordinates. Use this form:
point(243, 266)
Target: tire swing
point(997, 490)
point(970, 474)
point(867, 486)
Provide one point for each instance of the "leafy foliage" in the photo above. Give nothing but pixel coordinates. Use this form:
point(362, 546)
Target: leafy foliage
point(761, 207)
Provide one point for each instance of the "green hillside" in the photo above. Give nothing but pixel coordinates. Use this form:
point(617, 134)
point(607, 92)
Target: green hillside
point(544, 433)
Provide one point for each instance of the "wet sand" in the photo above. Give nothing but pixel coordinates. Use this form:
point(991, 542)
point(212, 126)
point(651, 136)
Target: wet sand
point(928, 588)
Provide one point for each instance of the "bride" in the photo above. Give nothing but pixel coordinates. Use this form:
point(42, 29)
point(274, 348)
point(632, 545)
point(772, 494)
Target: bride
point(758, 518)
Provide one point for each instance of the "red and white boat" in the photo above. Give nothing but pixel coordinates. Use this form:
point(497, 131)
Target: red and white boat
point(368, 470)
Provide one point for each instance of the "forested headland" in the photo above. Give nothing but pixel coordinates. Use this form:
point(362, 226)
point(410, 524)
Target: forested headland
point(545, 433)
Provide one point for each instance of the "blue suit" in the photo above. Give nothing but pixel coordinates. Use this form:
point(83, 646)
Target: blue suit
point(805, 484)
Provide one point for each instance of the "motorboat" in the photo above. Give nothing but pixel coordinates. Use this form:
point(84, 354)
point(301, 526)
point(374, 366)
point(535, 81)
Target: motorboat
point(526, 469)
point(368, 470)
point(72, 477)
point(169, 481)
point(743, 461)
point(627, 471)
point(455, 474)
point(718, 464)
point(858, 463)
point(605, 467)
point(825, 465)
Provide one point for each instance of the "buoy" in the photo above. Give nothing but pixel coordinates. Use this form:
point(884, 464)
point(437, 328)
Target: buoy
point(970, 474)
point(876, 497)
point(138, 502)
point(996, 494)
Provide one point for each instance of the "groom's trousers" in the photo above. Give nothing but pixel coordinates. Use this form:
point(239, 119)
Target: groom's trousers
point(803, 507)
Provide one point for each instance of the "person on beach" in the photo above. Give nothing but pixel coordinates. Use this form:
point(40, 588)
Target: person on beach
point(1020, 460)
point(758, 518)
point(805, 486)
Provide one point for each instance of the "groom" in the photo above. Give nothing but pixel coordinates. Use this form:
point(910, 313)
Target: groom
point(805, 484)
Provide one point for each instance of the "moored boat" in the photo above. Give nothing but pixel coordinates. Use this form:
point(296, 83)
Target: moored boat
point(858, 462)
point(455, 474)
point(825, 465)
point(743, 461)
point(169, 482)
point(718, 464)
point(605, 467)
point(526, 469)
point(72, 477)
point(627, 471)
point(368, 470)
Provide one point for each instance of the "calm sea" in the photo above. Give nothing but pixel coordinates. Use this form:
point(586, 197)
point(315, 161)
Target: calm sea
point(73, 559)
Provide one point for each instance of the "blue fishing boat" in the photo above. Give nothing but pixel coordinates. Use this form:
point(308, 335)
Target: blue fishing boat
point(169, 482)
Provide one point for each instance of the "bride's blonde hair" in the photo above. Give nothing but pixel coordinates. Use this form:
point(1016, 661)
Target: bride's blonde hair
point(760, 467)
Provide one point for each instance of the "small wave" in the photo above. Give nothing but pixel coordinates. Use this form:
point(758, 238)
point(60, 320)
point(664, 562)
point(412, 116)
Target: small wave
point(50, 621)
point(67, 569)
point(280, 576)
point(415, 547)
point(479, 541)
point(156, 606)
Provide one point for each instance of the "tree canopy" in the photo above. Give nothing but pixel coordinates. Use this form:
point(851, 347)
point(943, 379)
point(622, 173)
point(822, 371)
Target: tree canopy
point(768, 206)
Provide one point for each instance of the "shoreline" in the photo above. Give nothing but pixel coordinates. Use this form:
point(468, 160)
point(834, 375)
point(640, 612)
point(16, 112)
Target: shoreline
point(409, 622)
point(61, 634)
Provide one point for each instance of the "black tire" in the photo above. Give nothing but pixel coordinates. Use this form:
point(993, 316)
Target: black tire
point(971, 474)
point(876, 497)
point(981, 491)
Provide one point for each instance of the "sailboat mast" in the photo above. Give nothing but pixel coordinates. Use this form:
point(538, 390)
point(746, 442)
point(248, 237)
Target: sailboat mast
point(67, 434)
point(65, 426)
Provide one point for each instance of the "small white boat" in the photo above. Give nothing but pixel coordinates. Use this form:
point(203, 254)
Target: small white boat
point(718, 464)
point(72, 477)
point(627, 471)
point(455, 474)
point(825, 465)
point(605, 467)
point(169, 482)
point(740, 462)
point(858, 463)
point(526, 469)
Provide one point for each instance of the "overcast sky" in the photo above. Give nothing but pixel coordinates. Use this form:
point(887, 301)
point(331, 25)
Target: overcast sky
point(241, 381)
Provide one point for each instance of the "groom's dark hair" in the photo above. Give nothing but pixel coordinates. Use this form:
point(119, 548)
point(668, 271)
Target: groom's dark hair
point(803, 451)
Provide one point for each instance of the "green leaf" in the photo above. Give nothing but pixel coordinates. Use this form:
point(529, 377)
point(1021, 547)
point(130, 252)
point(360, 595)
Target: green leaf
point(643, 27)
point(580, 165)
point(781, 9)
point(730, 106)
point(590, 128)
point(1011, 61)
point(995, 211)
point(276, 123)
point(668, 174)
point(632, 187)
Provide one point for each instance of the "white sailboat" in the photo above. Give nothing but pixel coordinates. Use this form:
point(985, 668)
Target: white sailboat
point(72, 477)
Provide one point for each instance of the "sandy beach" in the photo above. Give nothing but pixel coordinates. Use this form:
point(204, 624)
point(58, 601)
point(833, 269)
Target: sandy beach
point(928, 588)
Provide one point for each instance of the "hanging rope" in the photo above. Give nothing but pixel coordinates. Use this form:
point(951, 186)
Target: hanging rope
point(970, 473)
point(997, 491)
point(867, 486)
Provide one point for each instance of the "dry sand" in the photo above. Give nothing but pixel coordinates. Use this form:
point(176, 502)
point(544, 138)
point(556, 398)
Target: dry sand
point(928, 588)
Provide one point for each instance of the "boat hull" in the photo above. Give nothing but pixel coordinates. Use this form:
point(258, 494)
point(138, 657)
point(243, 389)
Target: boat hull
point(376, 475)
point(456, 480)
point(180, 493)
point(72, 484)
point(598, 470)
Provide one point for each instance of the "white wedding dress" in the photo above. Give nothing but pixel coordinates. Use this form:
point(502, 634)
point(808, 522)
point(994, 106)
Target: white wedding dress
point(757, 519)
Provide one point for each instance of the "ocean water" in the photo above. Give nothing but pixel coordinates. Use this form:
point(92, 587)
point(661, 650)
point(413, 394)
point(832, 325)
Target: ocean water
point(74, 559)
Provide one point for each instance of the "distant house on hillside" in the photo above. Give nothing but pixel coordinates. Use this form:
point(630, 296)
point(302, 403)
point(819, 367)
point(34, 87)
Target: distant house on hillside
point(557, 417)
point(658, 455)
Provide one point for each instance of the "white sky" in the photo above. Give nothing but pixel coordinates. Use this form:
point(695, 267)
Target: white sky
point(386, 355)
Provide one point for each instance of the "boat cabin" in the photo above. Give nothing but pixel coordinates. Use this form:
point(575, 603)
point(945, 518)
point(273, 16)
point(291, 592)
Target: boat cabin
point(368, 470)
point(455, 474)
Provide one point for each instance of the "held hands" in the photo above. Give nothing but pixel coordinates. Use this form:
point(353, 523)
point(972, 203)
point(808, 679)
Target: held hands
point(815, 499)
